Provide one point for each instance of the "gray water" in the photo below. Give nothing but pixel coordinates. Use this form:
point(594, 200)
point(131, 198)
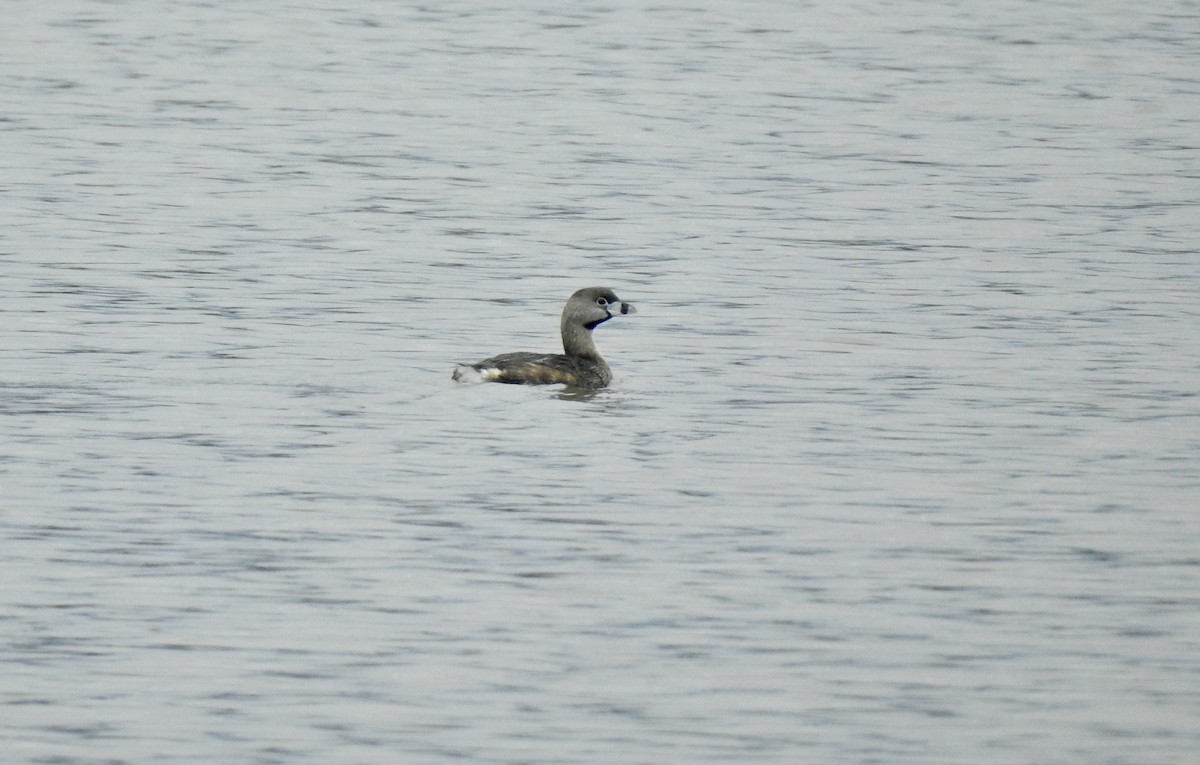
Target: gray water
point(900, 464)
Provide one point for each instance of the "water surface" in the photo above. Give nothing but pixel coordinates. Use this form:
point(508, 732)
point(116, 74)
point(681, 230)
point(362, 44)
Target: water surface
point(900, 461)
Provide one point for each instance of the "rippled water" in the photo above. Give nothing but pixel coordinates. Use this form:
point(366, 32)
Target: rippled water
point(900, 465)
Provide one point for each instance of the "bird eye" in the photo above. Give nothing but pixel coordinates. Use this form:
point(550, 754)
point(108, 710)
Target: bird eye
point(601, 302)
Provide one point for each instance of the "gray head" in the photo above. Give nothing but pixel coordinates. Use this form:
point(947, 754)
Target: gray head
point(587, 309)
point(592, 306)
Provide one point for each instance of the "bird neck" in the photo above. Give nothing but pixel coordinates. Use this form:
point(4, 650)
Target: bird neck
point(577, 341)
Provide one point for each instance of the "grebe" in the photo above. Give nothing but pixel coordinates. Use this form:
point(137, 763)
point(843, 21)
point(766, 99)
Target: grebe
point(580, 364)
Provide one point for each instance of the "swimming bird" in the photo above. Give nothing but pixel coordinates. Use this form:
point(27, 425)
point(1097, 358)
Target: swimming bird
point(579, 365)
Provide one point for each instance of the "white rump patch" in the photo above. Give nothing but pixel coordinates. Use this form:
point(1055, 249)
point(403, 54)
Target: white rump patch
point(465, 373)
